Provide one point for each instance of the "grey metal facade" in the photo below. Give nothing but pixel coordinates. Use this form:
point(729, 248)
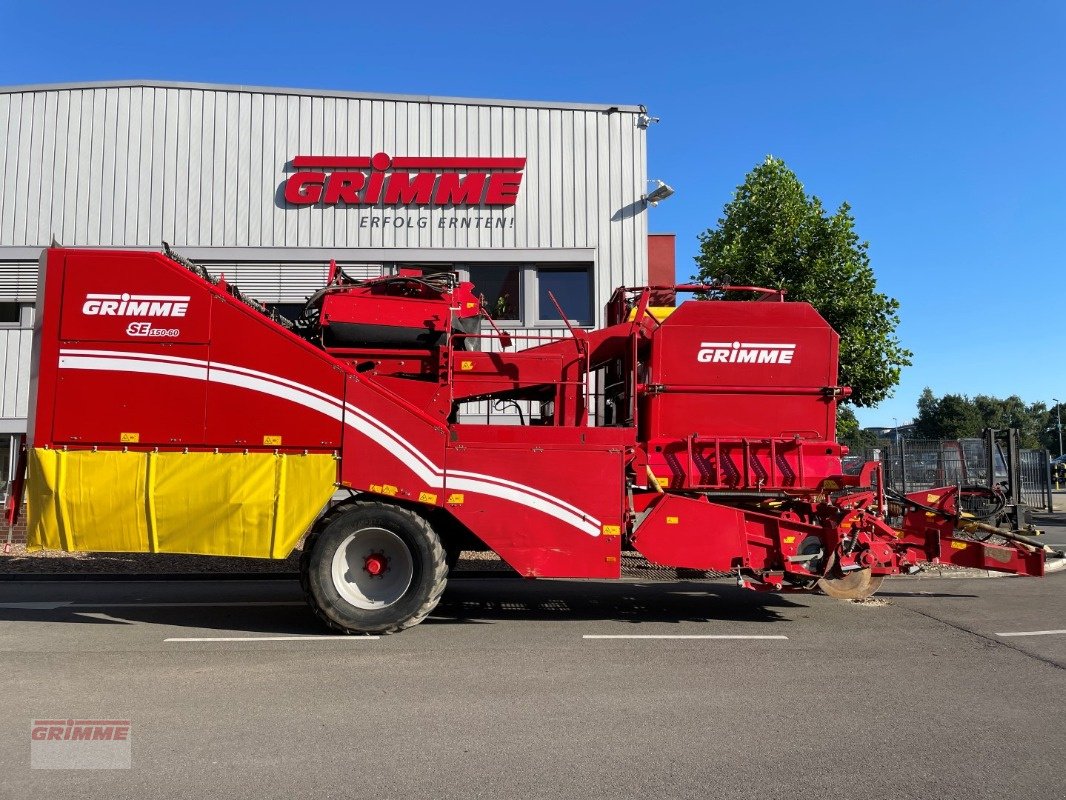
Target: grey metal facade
point(202, 167)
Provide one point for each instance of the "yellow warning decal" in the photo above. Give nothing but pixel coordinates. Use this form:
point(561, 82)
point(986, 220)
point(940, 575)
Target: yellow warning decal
point(958, 545)
point(466, 366)
point(375, 487)
point(455, 499)
point(932, 498)
point(427, 497)
point(271, 441)
point(389, 490)
point(663, 481)
point(671, 520)
point(790, 539)
point(830, 484)
point(657, 313)
point(612, 530)
point(129, 437)
point(471, 305)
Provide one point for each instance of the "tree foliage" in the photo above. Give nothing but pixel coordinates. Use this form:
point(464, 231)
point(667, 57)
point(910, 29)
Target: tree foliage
point(773, 234)
point(849, 431)
point(957, 416)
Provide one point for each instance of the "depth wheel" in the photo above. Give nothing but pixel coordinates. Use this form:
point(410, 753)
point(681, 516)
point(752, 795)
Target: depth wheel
point(855, 585)
point(375, 568)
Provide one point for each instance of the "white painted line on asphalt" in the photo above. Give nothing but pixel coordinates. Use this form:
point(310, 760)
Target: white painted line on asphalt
point(1033, 633)
point(237, 604)
point(272, 638)
point(51, 605)
point(676, 636)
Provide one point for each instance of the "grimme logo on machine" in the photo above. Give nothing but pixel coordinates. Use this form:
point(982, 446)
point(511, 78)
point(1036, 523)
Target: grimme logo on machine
point(412, 180)
point(138, 305)
point(745, 353)
point(135, 305)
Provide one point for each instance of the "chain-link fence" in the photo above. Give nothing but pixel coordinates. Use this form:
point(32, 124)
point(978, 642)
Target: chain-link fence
point(913, 465)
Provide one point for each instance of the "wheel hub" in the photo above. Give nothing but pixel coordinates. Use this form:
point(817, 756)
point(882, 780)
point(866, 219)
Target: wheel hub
point(372, 568)
point(376, 564)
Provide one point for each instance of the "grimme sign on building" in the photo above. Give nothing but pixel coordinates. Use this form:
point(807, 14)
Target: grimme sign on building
point(404, 181)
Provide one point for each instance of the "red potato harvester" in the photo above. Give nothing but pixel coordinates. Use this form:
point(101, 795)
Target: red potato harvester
point(171, 414)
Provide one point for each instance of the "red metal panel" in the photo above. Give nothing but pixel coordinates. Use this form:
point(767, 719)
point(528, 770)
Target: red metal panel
point(122, 394)
point(549, 510)
point(132, 297)
point(391, 446)
point(268, 388)
point(687, 532)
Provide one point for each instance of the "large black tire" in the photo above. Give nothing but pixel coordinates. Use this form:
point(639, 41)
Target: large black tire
point(347, 595)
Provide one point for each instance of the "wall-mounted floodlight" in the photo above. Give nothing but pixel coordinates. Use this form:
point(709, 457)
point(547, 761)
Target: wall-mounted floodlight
point(658, 194)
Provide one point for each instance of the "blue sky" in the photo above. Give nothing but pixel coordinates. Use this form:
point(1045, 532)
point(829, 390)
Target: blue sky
point(943, 124)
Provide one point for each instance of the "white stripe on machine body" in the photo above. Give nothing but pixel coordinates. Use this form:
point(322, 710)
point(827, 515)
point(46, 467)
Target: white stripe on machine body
point(323, 403)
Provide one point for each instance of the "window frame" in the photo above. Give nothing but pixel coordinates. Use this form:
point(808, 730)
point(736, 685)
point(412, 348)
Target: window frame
point(523, 288)
point(587, 321)
point(25, 319)
point(531, 316)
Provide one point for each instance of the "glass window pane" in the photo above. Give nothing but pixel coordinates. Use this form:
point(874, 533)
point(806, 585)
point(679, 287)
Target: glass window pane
point(571, 290)
point(5, 464)
point(10, 312)
point(502, 289)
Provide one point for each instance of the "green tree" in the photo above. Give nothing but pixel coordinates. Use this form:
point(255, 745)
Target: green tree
point(953, 416)
point(956, 416)
point(849, 432)
point(773, 234)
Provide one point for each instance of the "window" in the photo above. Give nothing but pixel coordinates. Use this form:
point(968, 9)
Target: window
point(501, 286)
point(6, 450)
point(16, 315)
point(570, 287)
point(10, 313)
point(519, 294)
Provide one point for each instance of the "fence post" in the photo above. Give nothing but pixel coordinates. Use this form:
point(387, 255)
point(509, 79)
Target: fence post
point(902, 446)
point(1047, 481)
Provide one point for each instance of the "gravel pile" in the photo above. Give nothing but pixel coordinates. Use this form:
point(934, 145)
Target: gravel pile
point(55, 562)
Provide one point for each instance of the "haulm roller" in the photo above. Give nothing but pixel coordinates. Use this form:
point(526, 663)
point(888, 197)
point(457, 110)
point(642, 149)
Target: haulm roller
point(171, 414)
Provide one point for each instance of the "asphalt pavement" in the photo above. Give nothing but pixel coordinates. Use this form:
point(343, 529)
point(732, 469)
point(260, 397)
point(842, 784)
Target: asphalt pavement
point(556, 689)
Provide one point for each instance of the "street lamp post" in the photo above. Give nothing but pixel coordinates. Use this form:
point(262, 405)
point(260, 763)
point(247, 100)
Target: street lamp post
point(1058, 416)
point(895, 430)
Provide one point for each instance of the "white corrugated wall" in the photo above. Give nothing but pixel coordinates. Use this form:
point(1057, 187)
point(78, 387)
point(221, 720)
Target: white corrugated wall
point(124, 166)
point(135, 165)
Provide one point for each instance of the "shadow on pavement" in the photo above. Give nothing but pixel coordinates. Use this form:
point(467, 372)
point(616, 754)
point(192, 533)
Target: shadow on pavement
point(465, 602)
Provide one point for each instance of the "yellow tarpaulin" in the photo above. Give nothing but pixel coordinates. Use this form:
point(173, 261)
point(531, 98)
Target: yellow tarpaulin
point(225, 504)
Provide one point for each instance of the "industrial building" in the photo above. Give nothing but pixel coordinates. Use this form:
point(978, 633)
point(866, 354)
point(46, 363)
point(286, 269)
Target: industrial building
point(268, 185)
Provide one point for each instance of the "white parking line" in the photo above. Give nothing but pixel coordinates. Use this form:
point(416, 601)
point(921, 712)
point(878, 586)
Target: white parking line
point(51, 605)
point(1033, 633)
point(272, 638)
point(676, 636)
point(236, 604)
